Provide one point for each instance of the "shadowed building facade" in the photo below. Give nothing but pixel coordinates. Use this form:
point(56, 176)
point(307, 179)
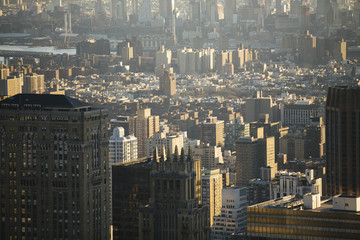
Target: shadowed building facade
point(174, 210)
point(343, 141)
point(53, 169)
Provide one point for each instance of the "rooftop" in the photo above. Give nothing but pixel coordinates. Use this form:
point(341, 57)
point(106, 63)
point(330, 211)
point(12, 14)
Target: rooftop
point(21, 101)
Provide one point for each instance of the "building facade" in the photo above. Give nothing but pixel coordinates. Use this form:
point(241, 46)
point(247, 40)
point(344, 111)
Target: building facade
point(343, 141)
point(54, 169)
point(174, 210)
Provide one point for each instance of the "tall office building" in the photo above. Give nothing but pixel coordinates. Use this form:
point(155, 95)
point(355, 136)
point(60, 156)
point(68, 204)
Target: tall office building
point(54, 169)
point(174, 210)
point(212, 185)
point(212, 132)
point(143, 126)
point(343, 141)
point(307, 48)
point(251, 155)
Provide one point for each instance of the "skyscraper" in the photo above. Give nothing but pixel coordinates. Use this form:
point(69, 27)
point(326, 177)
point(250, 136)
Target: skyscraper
point(343, 141)
point(212, 132)
point(212, 186)
point(54, 169)
point(168, 83)
point(251, 155)
point(143, 126)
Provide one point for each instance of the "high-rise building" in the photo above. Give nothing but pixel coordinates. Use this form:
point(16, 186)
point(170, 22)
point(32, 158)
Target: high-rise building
point(235, 129)
point(212, 132)
point(10, 86)
point(307, 48)
point(143, 126)
point(174, 210)
point(232, 220)
point(127, 53)
point(230, 8)
point(212, 191)
point(342, 141)
point(130, 190)
point(315, 139)
point(167, 83)
point(251, 155)
point(210, 156)
point(122, 149)
point(258, 105)
point(54, 169)
point(33, 83)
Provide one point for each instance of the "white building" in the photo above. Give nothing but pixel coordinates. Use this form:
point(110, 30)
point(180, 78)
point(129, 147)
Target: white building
point(233, 214)
point(295, 183)
point(122, 149)
point(170, 141)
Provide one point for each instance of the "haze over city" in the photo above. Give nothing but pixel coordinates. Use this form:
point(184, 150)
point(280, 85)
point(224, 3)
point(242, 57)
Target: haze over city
point(172, 119)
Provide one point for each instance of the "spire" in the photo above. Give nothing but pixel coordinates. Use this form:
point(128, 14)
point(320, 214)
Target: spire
point(189, 154)
point(182, 156)
point(162, 154)
point(155, 155)
point(168, 155)
point(176, 154)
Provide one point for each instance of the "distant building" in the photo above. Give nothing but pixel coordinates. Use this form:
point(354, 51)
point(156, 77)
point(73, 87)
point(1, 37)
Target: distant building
point(210, 156)
point(256, 106)
point(167, 82)
point(33, 83)
point(234, 130)
point(143, 126)
point(307, 48)
point(212, 132)
point(91, 46)
point(10, 86)
point(300, 113)
point(251, 155)
point(163, 57)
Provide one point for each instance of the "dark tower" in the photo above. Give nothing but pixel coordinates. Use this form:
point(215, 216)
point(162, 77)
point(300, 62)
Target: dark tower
point(343, 141)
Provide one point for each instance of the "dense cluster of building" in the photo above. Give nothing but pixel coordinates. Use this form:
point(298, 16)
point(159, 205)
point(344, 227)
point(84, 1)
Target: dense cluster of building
point(180, 120)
